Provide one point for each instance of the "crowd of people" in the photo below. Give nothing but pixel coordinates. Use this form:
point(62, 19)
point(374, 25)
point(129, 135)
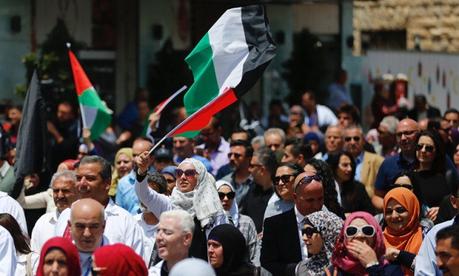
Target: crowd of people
point(305, 192)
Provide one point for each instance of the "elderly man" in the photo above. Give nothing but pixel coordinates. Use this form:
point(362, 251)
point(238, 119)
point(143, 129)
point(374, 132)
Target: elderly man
point(333, 140)
point(173, 240)
point(87, 224)
point(64, 189)
point(282, 245)
point(367, 164)
point(391, 167)
point(275, 139)
point(93, 181)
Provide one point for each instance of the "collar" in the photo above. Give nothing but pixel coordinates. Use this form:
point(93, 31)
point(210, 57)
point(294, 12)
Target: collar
point(111, 209)
point(4, 168)
point(359, 158)
point(299, 216)
point(53, 219)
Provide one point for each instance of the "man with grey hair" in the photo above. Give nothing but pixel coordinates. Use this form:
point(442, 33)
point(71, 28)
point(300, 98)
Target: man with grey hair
point(173, 240)
point(87, 224)
point(63, 185)
point(275, 139)
point(93, 181)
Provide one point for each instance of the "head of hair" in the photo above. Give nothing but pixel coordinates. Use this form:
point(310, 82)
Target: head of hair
point(184, 219)
point(106, 172)
point(241, 130)
point(333, 162)
point(297, 169)
point(21, 241)
point(276, 131)
point(159, 180)
point(65, 174)
point(450, 232)
point(438, 164)
point(450, 110)
point(267, 158)
point(297, 148)
point(310, 93)
point(245, 144)
point(258, 140)
point(352, 110)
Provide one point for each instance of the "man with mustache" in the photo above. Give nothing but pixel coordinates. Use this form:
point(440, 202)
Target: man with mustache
point(63, 185)
point(87, 224)
point(447, 250)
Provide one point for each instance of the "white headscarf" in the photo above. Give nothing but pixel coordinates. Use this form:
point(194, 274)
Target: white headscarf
point(233, 211)
point(202, 202)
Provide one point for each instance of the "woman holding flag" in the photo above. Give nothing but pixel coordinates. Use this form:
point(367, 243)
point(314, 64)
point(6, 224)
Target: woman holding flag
point(194, 192)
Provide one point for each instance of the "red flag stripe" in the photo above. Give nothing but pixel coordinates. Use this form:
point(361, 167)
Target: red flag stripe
point(79, 76)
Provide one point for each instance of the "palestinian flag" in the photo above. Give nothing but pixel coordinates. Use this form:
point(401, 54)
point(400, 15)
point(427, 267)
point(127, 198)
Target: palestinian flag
point(95, 114)
point(226, 63)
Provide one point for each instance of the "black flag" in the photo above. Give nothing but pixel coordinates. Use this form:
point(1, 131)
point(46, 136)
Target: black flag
point(31, 145)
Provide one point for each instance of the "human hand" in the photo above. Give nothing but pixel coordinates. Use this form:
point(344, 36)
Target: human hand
point(432, 213)
point(86, 134)
point(153, 119)
point(143, 161)
point(362, 251)
point(391, 253)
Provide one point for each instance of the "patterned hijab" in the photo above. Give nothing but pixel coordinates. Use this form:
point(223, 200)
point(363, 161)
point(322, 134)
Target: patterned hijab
point(345, 261)
point(329, 225)
point(233, 212)
point(409, 238)
point(203, 202)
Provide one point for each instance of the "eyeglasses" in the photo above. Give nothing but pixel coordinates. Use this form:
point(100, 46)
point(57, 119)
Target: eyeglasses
point(309, 179)
point(229, 195)
point(406, 133)
point(285, 179)
point(396, 185)
point(236, 155)
point(349, 138)
point(398, 210)
point(366, 230)
point(427, 148)
point(309, 231)
point(188, 173)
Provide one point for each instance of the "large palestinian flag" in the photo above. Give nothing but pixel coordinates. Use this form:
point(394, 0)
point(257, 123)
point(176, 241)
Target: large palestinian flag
point(95, 114)
point(226, 63)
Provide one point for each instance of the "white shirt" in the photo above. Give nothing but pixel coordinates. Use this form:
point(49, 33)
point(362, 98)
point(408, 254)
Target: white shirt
point(7, 253)
point(149, 237)
point(300, 224)
point(12, 207)
point(43, 230)
point(325, 116)
point(21, 267)
point(156, 269)
point(120, 227)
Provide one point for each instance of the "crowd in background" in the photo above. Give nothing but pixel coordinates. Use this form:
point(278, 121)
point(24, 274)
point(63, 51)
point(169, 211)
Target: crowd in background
point(303, 190)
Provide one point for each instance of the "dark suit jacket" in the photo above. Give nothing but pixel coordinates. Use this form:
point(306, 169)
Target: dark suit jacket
point(281, 250)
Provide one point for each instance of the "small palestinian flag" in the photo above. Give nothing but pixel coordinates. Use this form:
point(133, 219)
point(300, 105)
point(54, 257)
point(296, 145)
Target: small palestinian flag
point(226, 63)
point(95, 114)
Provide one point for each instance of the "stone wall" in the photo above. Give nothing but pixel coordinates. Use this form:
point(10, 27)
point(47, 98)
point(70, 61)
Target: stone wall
point(434, 22)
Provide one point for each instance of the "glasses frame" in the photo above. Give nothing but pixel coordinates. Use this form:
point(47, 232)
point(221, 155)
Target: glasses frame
point(309, 231)
point(277, 179)
point(427, 148)
point(229, 195)
point(355, 138)
point(188, 173)
point(360, 230)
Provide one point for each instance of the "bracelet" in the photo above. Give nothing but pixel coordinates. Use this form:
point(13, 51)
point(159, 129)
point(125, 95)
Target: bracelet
point(371, 264)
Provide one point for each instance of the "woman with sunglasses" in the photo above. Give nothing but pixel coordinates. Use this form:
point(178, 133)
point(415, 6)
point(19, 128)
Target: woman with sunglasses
point(245, 224)
point(59, 256)
point(403, 233)
point(194, 192)
point(319, 235)
point(353, 194)
point(282, 199)
point(429, 180)
point(360, 249)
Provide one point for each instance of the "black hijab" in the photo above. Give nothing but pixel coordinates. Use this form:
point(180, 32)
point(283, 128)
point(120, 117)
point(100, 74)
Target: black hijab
point(234, 248)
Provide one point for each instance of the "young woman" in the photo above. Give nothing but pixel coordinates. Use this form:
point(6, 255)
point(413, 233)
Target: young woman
point(124, 161)
point(59, 256)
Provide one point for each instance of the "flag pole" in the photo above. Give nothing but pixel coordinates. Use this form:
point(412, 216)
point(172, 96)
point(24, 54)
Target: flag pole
point(189, 118)
point(161, 108)
point(83, 116)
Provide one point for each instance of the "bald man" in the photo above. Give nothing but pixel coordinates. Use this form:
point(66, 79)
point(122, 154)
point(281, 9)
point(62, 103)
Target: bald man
point(406, 133)
point(87, 224)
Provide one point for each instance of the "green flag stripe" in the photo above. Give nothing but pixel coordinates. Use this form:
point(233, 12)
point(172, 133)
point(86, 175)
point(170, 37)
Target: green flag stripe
point(100, 124)
point(89, 97)
point(205, 86)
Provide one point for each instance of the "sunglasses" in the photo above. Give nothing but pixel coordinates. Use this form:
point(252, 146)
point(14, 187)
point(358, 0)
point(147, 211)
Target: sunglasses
point(366, 230)
point(406, 133)
point(349, 138)
point(406, 186)
point(236, 155)
point(229, 195)
point(398, 210)
point(285, 179)
point(309, 231)
point(309, 179)
point(428, 148)
point(188, 173)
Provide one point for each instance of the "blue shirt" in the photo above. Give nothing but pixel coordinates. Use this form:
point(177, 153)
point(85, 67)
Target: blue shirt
point(426, 259)
point(390, 168)
point(125, 193)
point(358, 168)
